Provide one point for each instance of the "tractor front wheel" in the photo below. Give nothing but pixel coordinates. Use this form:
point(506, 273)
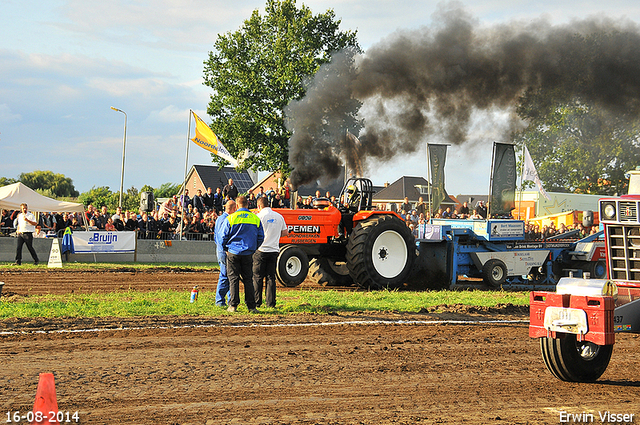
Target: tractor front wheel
point(571, 360)
point(293, 266)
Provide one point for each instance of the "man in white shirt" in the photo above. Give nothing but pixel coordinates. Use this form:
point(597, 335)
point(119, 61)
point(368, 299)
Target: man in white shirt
point(265, 259)
point(25, 225)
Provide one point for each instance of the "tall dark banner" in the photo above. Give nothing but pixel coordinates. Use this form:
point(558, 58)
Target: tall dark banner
point(437, 158)
point(503, 184)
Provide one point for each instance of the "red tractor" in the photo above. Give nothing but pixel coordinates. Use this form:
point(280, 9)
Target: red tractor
point(350, 243)
point(576, 324)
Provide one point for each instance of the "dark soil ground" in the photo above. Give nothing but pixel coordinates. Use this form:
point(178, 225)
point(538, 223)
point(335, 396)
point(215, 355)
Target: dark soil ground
point(457, 365)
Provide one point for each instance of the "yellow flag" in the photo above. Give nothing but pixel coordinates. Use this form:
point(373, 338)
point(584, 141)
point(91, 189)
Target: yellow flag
point(206, 139)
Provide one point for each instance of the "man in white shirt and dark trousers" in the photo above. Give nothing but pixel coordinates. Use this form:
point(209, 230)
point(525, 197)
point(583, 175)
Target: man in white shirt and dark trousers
point(265, 259)
point(25, 226)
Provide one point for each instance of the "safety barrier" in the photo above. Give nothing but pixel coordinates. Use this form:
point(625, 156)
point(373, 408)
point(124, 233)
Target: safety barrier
point(147, 251)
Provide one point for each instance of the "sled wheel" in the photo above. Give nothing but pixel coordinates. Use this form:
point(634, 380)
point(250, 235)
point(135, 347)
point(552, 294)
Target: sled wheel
point(494, 273)
point(571, 360)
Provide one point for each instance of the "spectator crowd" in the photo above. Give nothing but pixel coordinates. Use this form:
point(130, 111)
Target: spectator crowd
point(418, 214)
point(194, 217)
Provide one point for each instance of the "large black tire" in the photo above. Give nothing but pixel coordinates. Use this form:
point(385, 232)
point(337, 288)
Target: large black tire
point(494, 273)
point(380, 252)
point(293, 266)
point(573, 361)
point(328, 272)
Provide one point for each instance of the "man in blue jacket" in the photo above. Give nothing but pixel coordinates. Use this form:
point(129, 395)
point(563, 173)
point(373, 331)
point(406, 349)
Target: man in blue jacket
point(223, 281)
point(242, 234)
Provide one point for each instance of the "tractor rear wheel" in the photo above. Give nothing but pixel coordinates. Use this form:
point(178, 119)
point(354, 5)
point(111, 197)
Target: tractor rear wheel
point(571, 360)
point(293, 266)
point(328, 272)
point(380, 252)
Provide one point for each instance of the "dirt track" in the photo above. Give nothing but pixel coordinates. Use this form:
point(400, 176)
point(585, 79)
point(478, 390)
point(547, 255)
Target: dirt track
point(338, 369)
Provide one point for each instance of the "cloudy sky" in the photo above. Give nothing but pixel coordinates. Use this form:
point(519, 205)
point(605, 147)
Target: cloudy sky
point(64, 63)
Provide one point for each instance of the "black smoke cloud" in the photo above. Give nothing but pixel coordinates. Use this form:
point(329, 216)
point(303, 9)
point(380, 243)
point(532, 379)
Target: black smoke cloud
point(424, 85)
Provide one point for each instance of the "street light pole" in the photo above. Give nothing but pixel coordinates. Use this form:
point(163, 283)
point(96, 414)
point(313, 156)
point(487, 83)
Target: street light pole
point(124, 144)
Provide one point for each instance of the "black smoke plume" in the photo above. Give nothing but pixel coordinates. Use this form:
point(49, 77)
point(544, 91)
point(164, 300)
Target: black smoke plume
point(424, 85)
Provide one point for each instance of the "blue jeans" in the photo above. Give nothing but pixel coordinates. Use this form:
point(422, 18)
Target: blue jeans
point(223, 281)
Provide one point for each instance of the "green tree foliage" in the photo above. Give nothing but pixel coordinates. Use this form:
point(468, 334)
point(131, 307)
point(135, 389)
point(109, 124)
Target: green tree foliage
point(131, 199)
point(578, 147)
point(48, 193)
point(103, 196)
point(98, 197)
point(166, 190)
point(146, 188)
point(255, 71)
point(57, 184)
point(7, 180)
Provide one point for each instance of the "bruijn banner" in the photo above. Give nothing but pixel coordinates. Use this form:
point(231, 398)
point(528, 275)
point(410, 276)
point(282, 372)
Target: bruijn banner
point(112, 242)
point(437, 158)
point(503, 180)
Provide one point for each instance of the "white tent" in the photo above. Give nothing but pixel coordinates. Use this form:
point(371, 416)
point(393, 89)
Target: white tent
point(11, 196)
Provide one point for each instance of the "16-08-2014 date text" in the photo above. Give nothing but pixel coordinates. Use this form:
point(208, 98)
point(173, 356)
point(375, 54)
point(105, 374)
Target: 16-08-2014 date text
point(38, 417)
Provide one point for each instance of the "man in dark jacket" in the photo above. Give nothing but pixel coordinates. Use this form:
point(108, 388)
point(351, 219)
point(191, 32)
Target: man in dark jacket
point(230, 190)
point(131, 222)
point(207, 198)
point(198, 201)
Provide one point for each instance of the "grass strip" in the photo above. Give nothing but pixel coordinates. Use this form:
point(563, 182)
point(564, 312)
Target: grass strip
point(7, 266)
point(166, 302)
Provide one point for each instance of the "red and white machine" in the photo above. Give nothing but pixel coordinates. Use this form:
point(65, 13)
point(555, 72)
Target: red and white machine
point(576, 324)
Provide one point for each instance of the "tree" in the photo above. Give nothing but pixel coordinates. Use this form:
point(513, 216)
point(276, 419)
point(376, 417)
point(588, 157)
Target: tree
point(131, 200)
point(166, 190)
point(46, 192)
point(57, 184)
point(7, 180)
point(255, 71)
point(579, 147)
point(100, 196)
point(146, 188)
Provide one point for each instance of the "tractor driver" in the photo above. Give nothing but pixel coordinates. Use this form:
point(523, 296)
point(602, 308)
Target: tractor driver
point(352, 197)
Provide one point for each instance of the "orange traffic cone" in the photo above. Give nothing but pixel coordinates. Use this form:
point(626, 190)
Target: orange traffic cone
point(46, 402)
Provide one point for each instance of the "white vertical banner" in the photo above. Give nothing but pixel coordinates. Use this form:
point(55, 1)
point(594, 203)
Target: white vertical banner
point(529, 172)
